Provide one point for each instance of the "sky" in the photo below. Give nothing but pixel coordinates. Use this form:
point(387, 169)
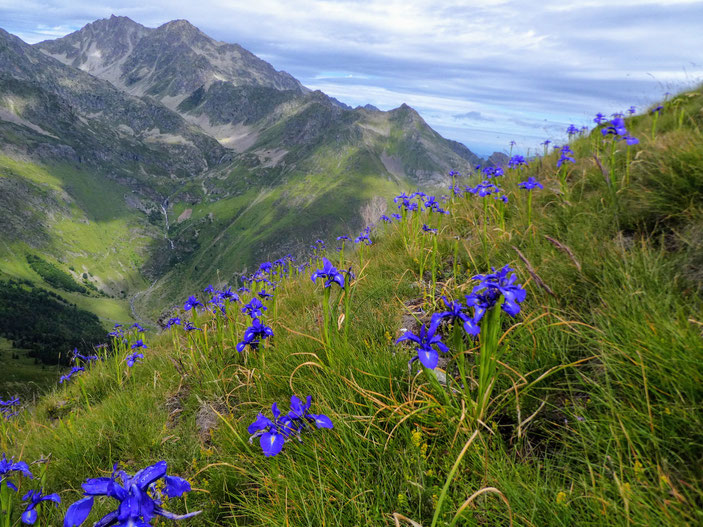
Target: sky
point(482, 72)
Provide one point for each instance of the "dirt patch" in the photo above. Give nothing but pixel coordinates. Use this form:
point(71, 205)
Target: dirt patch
point(207, 419)
point(174, 405)
point(185, 215)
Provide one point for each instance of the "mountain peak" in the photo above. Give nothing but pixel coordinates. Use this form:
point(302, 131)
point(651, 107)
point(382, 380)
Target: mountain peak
point(168, 63)
point(97, 45)
point(114, 24)
point(181, 27)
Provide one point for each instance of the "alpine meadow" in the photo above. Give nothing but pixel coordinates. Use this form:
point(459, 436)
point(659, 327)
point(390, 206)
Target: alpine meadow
point(229, 299)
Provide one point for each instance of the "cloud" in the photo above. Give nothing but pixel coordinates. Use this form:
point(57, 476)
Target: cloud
point(471, 116)
point(516, 68)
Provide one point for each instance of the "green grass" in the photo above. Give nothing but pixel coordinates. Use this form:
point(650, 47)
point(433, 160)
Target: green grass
point(85, 224)
point(21, 374)
point(596, 418)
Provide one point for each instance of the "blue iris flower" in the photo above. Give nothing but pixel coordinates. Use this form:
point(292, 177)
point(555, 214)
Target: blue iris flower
point(428, 342)
point(190, 327)
point(35, 497)
point(9, 465)
point(572, 130)
point(329, 273)
point(273, 434)
point(431, 203)
point(483, 189)
point(191, 303)
point(139, 500)
point(137, 327)
point(254, 308)
point(117, 331)
point(530, 184)
point(566, 156)
point(230, 295)
point(138, 344)
point(9, 408)
point(427, 228)
point(616, 128)
point(76, 356)
point(254, 334)
point(517, 162)
point(173, 321)
point(365, 238)
point(134, 358)
point(264, 295)
point(456, 311)
point(75, 370)
point(490, 289)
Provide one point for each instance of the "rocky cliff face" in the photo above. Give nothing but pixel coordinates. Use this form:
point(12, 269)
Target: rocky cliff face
point(167, 63)
point(58, 111)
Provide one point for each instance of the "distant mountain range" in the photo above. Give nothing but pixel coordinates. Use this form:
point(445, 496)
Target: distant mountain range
point(135, 157)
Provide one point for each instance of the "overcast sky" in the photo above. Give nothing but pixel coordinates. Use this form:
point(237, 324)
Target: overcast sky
point(483, 72)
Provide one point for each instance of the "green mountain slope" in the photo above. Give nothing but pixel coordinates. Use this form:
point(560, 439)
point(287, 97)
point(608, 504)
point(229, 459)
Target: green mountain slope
point(593, 412)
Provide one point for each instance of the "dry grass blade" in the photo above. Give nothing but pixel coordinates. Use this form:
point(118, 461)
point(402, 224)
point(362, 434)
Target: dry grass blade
point(301, 334)
point(564, 248)
point(475, 495)
point(308, 363)
point(533, 273)
point(604, 171)
point(397, 517)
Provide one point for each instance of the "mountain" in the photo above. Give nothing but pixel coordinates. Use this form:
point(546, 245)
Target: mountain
point(498, 159)
point(162, 159)
point(167, 63)
point(231, 94)
point(68, 115)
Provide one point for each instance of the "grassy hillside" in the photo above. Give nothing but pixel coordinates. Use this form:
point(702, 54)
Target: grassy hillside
point(66, 232)
point(267, 215)
point(582, 409)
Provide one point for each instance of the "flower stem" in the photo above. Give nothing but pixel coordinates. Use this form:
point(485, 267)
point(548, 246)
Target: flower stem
point(455, 263)
point(488, 357)
point(325, 317)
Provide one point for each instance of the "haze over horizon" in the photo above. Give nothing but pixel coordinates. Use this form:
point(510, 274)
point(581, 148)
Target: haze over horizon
point(483, 73)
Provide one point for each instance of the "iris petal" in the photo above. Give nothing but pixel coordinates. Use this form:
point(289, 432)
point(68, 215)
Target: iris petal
point(322, 421)
point(148, 475)
point(29, 516)
point(428, 357)
point(272, 443)
point(175, 487)
point(78, 512)
point(97, 486)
